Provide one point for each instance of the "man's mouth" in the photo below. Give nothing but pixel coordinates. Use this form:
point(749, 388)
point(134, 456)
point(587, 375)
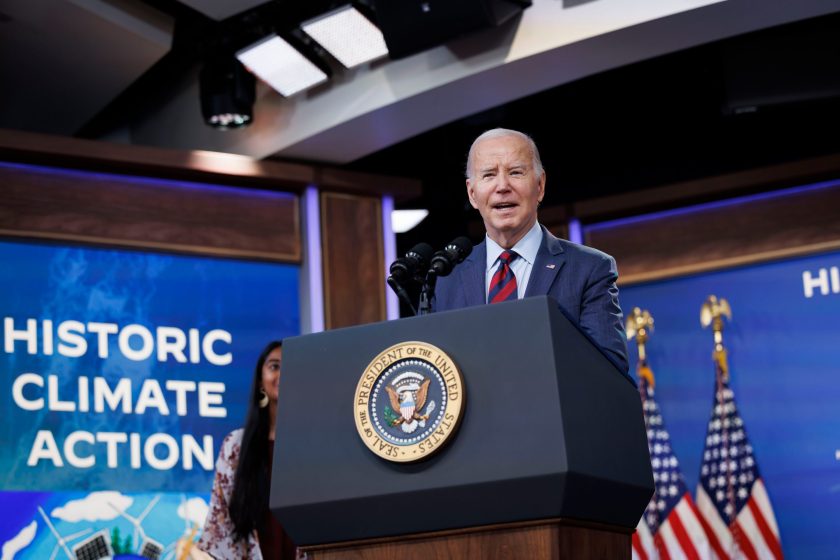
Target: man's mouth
point(503, 205)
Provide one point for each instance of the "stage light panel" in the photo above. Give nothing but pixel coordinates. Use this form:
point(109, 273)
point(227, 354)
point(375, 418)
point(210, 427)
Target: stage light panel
point(347, 35)
point(281, 66)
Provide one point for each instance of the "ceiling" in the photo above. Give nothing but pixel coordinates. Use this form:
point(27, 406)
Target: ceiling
point(751, 101)
point(87, 67)
point(62, 61)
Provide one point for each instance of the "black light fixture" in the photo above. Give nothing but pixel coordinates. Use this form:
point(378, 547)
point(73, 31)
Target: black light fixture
point(227, 92)
point(412, 26)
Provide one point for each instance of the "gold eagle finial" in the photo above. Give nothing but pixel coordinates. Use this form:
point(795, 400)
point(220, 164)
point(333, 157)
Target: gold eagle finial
point(639, 325)
point(712, 313)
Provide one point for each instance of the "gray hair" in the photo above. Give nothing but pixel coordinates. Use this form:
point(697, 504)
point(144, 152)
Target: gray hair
point(499, 133)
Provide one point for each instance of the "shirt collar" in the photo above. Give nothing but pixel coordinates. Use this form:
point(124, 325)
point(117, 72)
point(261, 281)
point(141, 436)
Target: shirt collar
point(526, 248)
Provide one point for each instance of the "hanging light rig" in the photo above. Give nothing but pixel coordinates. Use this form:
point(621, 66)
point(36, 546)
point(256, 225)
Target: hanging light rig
point(227, 92)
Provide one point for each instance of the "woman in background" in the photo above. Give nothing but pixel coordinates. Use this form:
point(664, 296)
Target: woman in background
point(239, 524)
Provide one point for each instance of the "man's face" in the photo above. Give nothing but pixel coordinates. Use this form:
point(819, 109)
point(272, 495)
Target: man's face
point(504, 188)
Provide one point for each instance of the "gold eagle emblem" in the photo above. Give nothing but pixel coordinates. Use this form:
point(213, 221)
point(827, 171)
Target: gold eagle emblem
point(409, 404)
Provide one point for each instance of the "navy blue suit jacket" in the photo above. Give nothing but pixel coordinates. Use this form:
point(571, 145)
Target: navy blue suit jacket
point(580, 278)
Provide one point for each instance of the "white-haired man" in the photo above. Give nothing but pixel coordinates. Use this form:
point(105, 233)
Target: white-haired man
point(520, 258)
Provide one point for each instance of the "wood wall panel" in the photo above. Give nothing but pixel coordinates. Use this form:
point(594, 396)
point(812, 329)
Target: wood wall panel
point(717, 236)
point(708, 189)
point(196, 165)
point(353, 260)
point(151, 213)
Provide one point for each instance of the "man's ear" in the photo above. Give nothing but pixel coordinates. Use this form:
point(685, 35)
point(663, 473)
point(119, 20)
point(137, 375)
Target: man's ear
point(470, 195)
point(542, 188)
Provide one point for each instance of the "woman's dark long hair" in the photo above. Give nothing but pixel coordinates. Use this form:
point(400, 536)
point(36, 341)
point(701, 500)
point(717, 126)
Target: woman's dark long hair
point(249, 499)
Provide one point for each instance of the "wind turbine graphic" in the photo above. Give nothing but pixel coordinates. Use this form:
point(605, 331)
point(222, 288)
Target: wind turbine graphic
point(62, 541)
point(136, 522)
point(181, 547)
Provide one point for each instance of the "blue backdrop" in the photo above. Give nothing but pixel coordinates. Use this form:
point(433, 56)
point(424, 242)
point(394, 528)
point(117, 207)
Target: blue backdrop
point(168, 445)
point(784, 356)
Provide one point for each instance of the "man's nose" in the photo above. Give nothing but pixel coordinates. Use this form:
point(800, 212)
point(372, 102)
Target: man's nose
point(502, 182)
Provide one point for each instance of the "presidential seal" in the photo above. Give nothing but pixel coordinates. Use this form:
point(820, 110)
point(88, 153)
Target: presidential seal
point(408, 402)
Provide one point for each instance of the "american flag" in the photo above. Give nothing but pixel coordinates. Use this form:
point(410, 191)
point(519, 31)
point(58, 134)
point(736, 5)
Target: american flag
point(671, 526)
point(737, 514)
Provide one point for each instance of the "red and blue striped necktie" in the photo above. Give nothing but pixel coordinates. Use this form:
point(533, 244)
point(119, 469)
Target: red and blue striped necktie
point(503, 283)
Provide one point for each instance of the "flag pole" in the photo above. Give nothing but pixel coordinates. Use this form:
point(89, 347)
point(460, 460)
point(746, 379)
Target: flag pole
point(639, 325)
point(671, 526)
point(712, 313)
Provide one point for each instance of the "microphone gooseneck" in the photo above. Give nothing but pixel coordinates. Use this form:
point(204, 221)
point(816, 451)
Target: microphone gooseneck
point(409, 269)
point(442, 264)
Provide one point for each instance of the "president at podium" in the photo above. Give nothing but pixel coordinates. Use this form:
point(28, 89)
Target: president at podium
point(459, 446)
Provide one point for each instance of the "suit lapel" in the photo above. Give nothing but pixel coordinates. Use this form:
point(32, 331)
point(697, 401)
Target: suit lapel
point(473, 275)
point(550, 259)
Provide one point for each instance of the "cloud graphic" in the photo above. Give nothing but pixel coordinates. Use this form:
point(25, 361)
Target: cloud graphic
point(194, 510)
point(97, 506)
point(19, 541)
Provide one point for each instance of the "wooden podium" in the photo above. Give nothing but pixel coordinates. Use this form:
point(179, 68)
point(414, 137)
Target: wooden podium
point(550, 459)
point(536, 540)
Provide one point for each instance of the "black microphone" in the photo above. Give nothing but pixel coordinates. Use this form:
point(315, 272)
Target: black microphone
point(410, 267)
point(454, 253)
point(415, 263)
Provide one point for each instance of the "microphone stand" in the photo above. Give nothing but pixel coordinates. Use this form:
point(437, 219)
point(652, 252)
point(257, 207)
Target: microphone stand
point(401, 293)
point(427, 294)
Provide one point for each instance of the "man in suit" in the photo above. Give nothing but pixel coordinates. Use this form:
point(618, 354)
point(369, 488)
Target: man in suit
point(520, 258)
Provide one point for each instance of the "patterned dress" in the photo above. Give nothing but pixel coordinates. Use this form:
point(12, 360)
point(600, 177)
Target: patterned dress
point(217, 538)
